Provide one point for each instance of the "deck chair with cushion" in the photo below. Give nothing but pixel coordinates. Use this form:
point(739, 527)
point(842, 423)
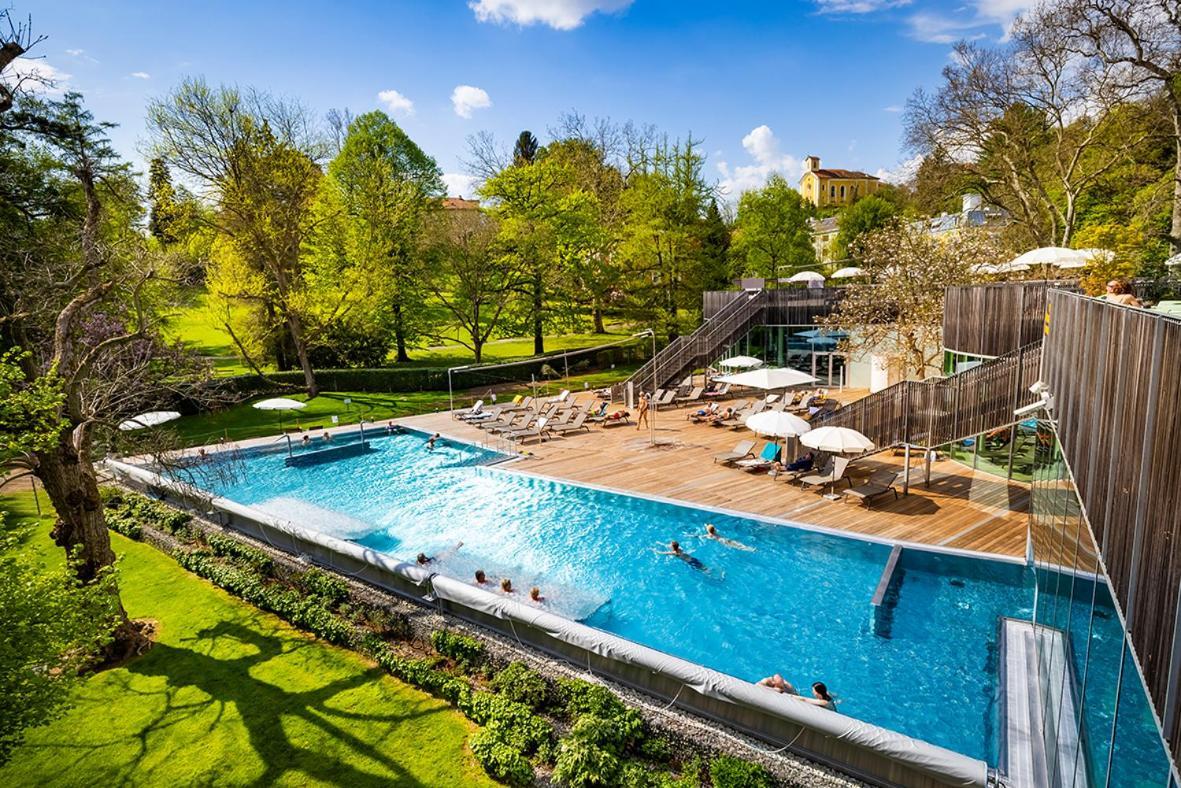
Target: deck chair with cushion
point(839, 466)
point(718, 393)
point(463, 413)
point(615, 418)
point(694, 396)
point(765, 460)
point(579, 423)
point(879, 483)
point(536, 430)
point(741, 451)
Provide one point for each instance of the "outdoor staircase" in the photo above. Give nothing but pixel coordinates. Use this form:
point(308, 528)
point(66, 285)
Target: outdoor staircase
point(939, 411)
point(703, 346)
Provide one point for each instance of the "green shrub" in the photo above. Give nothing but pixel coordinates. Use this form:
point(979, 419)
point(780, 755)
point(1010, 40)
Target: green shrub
point(467, 652)
point(582, 697)
point(655, 748)
point(328, 588)
point(515, 722)
point(520, 683)
point(501, 760)
point(728, 772)
point(229, 547)
point(581, 764)
point(127, 513)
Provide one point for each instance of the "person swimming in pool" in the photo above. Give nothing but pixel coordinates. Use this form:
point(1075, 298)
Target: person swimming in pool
point(430, 442)
point(820, 697)
point(535, 594)
point(779, 684)
point(711, 532)
point(674, 549)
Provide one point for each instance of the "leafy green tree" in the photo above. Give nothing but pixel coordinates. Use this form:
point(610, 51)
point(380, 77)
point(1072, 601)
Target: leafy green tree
point(164, 209)
point(864, 216)
point(771, 234)
point(715, 249)
point(386, 186)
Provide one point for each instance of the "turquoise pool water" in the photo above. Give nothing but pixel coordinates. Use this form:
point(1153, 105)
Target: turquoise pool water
point(797, 604)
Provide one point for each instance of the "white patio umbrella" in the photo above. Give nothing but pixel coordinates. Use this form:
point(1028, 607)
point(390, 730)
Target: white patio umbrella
point(1047, 255)
point(768, 378)
point(984, 268)
point(1011, 267)
point(1093, 256)
point(848, 273)
point(740, 362)
point(838, 440)
point(149, 419)
point(806, 276)
point(280, 404)
point(777, 424)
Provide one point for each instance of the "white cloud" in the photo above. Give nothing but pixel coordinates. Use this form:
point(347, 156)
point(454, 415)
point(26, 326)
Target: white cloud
point(857, 6)
point(763, 147)
point(902, 172)
point(140, 75)
point(75, 52)
point(36, 75)
point(892, 108)
point(972, 22)
point(460, 185)
point(558, 14)
point(466, 98)
point(396, 102)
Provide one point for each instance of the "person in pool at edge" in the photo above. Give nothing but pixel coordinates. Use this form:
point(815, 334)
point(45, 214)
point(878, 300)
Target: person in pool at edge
point(674, 549)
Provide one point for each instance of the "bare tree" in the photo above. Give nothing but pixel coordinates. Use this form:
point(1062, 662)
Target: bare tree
point(16, 39)
point(1140, 42)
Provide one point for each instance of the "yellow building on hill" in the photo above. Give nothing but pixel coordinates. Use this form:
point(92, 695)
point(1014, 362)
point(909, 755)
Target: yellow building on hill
point(823, 187)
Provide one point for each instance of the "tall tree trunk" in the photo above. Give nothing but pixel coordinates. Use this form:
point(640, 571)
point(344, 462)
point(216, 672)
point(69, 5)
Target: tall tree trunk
point(477, 349)
point(400, 334)
point(301, 349)
point(597, 312)
point(538, 322)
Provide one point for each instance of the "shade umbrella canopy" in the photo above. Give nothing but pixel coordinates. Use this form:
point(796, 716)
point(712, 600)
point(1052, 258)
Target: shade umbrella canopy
point(777, 424)
point(1047, 255)
point(1011, 267)
point(848, 273)
point(1096, 256)
point(806, 276)
point(280, 403)
point(984, 268)
point(768, 378)
point(838, 440)
point(740, 362)
point(1072, 264)
point(149, 419)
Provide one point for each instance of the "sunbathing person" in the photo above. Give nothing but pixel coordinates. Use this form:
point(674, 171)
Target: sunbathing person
point(722, 416)
point(779, 684)
point(802, 463)
point(703, 413)
point(711, 532)
point(674, 549)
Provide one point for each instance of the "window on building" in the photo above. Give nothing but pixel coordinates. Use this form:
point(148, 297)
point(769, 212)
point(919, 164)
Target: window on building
point(832, 191)
point(842, 192)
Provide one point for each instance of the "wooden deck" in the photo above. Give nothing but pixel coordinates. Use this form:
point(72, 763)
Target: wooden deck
point(960, 508)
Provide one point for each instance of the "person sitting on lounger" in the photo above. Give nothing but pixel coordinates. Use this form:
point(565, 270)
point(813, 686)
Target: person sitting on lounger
point(802, 463)
point(674, 549)
point(722, 416)
point(711, 532)
point(820, 697)
point(704, 413)
point(601, 408)
point(779, 684)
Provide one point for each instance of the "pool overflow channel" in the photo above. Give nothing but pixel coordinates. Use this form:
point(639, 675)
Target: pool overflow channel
point(1021, 760)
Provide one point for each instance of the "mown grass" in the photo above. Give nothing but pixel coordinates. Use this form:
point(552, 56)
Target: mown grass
point(244, 421)
point(233, 696)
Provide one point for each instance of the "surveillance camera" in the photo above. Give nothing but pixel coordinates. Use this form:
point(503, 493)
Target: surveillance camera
point(1038, 388)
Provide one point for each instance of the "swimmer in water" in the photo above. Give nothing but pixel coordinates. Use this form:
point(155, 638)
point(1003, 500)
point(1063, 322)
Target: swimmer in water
point(506, 586)
point(711, 532)
point(481, 578)
point(779, 684)
point(430, 443)
point(535, 594)
point(820, 697)
point(674, 549)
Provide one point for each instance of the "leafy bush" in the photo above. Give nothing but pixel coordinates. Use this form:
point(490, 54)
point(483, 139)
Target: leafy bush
point(127, 513)
point(581, 764)
point(582, 697)
point(229, 547)
point(467, 652)
point(330, 589)
point(501, 760)
point(351, 346)
point(515, 722)
point(727, 772)
point(518, 682)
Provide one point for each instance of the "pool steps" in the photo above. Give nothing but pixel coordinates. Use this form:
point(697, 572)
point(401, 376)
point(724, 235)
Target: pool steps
point(883, 601)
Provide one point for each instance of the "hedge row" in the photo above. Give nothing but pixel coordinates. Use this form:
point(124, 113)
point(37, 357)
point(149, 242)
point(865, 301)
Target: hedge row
point(608, 743)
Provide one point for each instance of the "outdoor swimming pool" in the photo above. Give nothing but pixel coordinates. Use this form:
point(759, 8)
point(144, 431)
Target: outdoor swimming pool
point(797, 604)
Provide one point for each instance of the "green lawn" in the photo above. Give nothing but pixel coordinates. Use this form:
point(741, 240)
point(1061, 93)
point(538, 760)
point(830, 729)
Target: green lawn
point(243, 421)
point(195, 326)
point(233, 696)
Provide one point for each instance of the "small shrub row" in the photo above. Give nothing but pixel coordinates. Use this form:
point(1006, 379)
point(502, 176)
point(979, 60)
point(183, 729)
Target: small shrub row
point(229, 547)
point(467, 652)
point(518, 682)
point(331, 589)
point(126, 513)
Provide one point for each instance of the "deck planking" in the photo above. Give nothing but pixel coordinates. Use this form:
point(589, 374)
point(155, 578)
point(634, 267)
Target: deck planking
point(959, 508)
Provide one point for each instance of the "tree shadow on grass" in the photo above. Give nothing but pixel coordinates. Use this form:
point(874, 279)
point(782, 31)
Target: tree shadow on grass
point(220, 668)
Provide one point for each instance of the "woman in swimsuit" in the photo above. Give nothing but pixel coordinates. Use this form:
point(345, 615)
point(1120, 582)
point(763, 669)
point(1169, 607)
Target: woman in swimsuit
point(674, 549)
point(711, 532)
point(820, 697)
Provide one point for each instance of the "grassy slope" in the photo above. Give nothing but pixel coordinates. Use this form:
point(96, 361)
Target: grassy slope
point(243, 421)
point(233, 696)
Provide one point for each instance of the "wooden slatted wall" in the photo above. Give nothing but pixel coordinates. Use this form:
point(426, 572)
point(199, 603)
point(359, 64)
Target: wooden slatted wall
point(1115, 374)
point(994, 319)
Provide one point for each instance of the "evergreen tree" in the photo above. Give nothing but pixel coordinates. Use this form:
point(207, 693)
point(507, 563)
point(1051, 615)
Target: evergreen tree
point(165, 210)
point(525, 149)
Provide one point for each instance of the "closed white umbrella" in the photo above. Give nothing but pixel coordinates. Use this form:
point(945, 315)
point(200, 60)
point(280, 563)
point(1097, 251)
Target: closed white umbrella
point(837, 440)
point(777, 424)
point(149, 419)
point(806, 276)
point(280, 404)
point(740, 362)
point(848, 273)
point(768, 378)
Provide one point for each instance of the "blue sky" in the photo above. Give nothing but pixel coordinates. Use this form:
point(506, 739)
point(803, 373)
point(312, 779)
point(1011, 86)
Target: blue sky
point(763, 83)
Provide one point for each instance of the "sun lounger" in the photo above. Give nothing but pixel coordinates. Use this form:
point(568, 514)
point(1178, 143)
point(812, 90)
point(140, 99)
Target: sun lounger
point(517, 421)
point(879, 483)
point(735, 420)
point(475, 409)
point(766, 457)
point(614, 418)
point(694, 396)
point(536, 431)
point(579, 423)
point(666, 399)
point(741, 451)
point(839, 465)
point(719, 393)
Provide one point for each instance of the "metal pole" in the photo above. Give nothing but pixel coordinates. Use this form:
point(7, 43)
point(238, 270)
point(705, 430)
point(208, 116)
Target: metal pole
point(450, 394)
point(906, 475)
point(652, 401)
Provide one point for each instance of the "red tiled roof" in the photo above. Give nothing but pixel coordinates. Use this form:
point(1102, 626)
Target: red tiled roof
point(827, 173)
point(460, 204)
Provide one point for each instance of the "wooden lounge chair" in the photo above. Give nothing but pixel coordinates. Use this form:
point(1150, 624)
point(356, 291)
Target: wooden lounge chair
point(879, 483)
point(694, 396)
point(764, 461)
point(741, 451)
point(535, 431)
point(839, 465)
point(667, 398)
point(579, 423)
point(463, 413)
point(718, 393)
